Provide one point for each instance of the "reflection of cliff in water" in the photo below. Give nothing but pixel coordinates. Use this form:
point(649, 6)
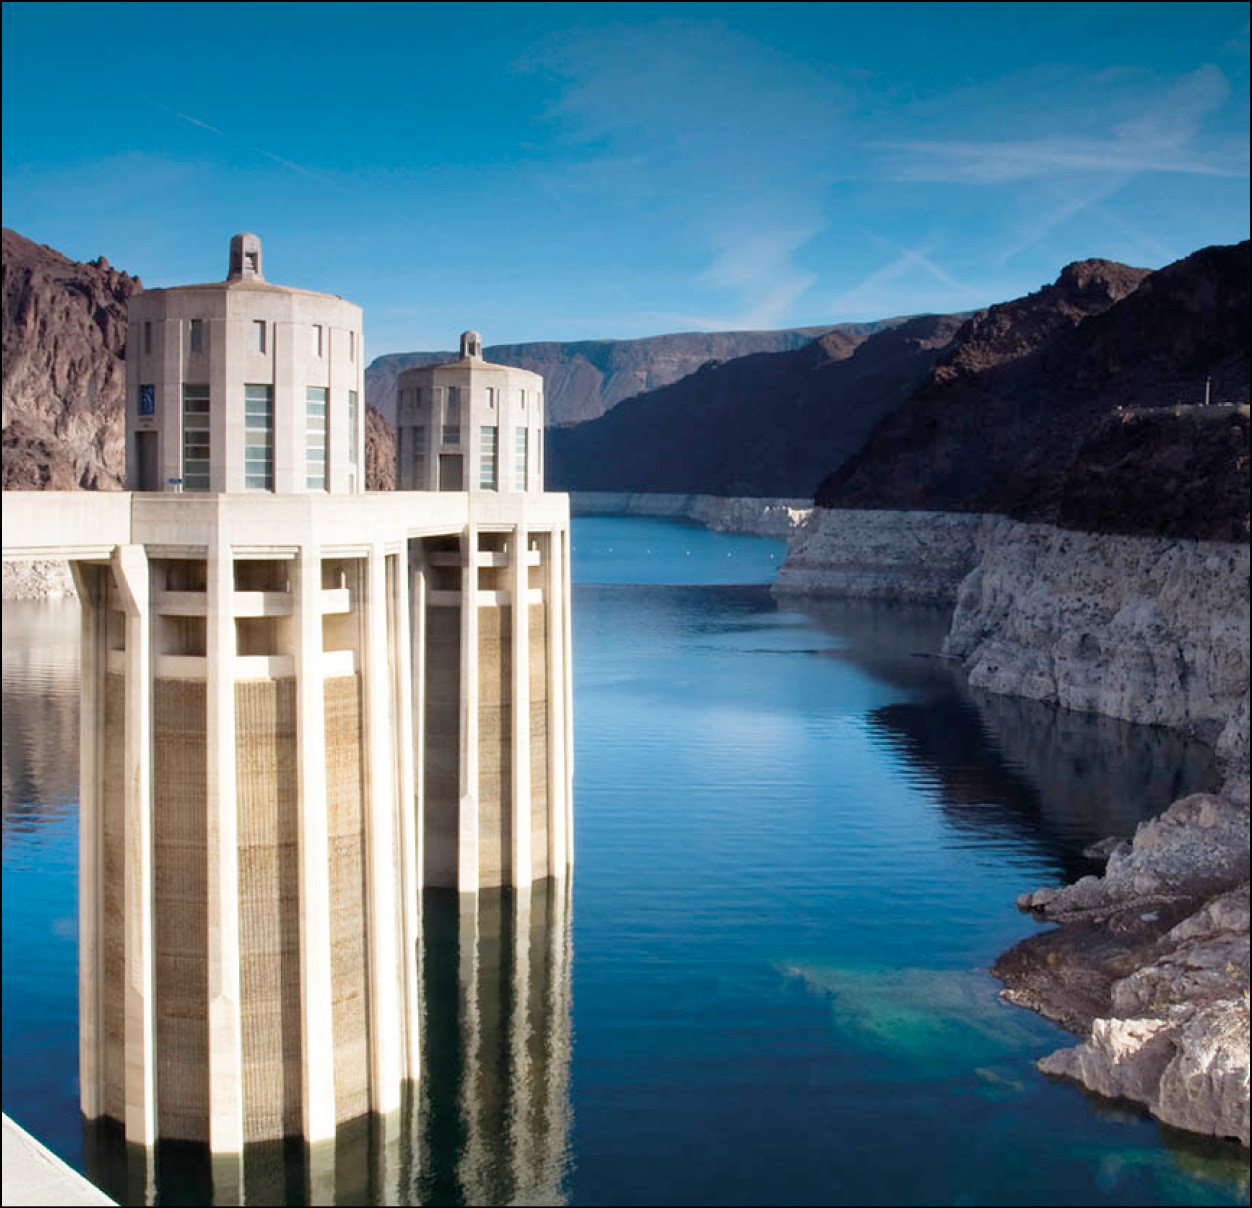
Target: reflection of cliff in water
point(490, 1121)
point(40, 699)
point(1010, 772)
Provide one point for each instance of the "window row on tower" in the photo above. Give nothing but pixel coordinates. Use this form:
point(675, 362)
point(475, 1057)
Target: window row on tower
point(258, 429)
point(414, 449)
point(198, 338)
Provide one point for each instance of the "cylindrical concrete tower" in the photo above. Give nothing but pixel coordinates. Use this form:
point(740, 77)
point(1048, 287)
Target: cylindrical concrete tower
point(496, 790)
point(248, 848)
point(240, 385)
point(469, 425)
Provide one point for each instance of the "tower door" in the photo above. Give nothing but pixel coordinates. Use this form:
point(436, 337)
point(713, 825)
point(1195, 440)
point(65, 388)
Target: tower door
point(451, 477)
point(146, 448)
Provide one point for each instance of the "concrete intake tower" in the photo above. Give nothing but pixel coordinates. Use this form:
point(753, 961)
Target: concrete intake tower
point(301, 704)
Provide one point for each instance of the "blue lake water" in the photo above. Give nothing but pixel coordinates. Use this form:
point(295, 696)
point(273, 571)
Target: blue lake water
point(798, 839)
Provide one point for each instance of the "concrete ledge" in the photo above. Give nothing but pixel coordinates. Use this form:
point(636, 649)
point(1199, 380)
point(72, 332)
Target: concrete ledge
point(33, 1174)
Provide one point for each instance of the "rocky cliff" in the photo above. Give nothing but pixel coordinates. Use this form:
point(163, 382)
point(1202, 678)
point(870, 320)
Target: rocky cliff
point(894, 557)
point(999, 424)
point(768, 425)
point(1149, 629)
point(64, 339)
point(1149, 963)
point(777, 518)
point(380, 453)
point(584, 379)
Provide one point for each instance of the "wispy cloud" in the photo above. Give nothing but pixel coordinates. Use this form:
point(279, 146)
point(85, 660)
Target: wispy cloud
point(906, 261)
point(930, 285)
point(261, 151)
point(1162, 139)
point(1146, 241)
point(1041, 224)
point(729, 138)
point(759, 266)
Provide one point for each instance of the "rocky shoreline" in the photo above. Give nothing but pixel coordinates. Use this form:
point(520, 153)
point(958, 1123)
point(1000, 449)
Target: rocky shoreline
point(1148, 963)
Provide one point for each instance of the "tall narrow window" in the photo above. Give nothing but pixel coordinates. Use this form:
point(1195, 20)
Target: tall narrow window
point(488, 476)
point(258, 335)
point(315, 438)
point(521, 459)
point(197, 335)
point(452, 416)
point(195, 437)
point(352, 345)
point(419, 455)
point(317, 339)
point(147, 337)
point(258, 452)
point(491, 397)
point(353, 446)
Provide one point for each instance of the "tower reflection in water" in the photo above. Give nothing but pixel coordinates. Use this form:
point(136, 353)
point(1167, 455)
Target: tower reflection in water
point(490, 1121)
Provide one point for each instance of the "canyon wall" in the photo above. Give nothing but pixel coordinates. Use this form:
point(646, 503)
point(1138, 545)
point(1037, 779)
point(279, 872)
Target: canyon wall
point(777, 518)
point(1148, 629)
point(902, 557)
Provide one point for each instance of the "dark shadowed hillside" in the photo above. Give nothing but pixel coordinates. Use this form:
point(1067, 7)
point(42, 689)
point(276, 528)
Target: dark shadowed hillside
point(584, 379)
point(999, 424)
point(1176, 472)
point(770, 424)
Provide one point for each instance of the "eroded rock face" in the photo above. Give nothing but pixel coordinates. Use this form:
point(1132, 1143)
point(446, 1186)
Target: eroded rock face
point(1189, 1067)
point(914, 557)
point(64, 335)
point(1151, 963)
point(1196, 848)
point(380, 453)
point(758, 517)
point(1148, 629)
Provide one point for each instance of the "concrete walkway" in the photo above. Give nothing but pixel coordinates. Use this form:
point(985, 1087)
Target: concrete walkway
point(33, 1174)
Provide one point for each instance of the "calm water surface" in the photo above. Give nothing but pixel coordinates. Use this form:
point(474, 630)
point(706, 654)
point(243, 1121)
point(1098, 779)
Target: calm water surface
point(799, 837)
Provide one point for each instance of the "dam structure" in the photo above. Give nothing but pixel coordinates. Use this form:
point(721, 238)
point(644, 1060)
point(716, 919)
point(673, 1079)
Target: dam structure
point(302, 704)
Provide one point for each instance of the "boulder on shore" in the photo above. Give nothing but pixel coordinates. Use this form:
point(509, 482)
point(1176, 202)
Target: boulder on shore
point(1150, 963)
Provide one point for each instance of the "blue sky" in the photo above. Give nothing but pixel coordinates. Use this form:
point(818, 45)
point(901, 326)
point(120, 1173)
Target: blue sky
point(571, 171)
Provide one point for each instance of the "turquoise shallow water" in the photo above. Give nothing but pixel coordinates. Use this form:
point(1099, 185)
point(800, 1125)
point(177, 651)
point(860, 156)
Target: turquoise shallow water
point(798, 840)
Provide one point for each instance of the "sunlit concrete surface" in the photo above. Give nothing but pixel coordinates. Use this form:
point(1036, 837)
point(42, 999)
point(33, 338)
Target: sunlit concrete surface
point(33, 1174)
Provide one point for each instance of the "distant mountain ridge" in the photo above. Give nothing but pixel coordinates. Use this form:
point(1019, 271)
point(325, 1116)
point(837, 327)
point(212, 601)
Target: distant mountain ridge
point(584, 379)
point(771, 424)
